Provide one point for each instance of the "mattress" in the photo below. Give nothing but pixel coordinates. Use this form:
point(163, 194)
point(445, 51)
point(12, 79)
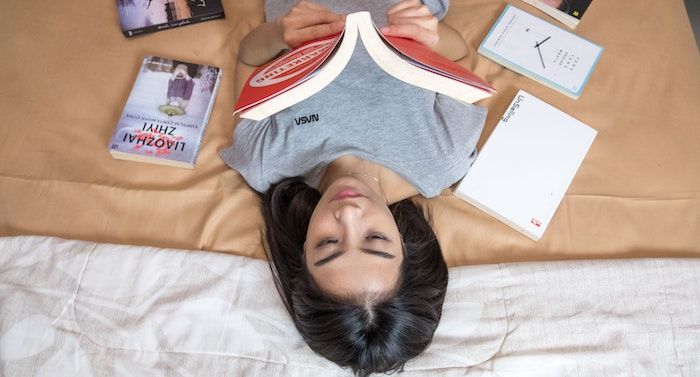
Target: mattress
point(67, 70)
point(166, 312)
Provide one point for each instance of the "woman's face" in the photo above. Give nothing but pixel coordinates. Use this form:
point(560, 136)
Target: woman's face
point(352, 244)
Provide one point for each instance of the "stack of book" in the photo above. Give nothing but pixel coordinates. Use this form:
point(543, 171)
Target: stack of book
point(170, 103)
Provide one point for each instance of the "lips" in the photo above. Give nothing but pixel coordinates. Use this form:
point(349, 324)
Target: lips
point(346, 194)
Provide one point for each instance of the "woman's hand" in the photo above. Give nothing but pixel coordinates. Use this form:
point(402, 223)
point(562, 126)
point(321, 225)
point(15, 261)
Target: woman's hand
point(304, 22)
point(412, 19)
point(308, 21)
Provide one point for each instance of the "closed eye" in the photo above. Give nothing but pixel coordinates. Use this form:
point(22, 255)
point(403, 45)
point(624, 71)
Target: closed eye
point(326, 241)
point(326, 260)
point(377, 236)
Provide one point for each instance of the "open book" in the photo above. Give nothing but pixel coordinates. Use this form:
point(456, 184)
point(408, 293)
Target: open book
point(300, 73)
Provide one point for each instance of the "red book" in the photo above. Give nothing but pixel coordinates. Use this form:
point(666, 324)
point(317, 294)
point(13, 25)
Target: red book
point(307, 69)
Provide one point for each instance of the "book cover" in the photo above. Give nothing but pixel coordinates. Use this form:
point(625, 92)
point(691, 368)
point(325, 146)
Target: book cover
point(285, 72)
point(527, 164)
point(568, 12)
point(305, 70)
point(166, 113)
point(541, 51)
point(146, 16)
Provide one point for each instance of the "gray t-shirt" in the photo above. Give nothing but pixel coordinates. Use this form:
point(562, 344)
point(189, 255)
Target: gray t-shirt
point(278, 8)
point(427, 138)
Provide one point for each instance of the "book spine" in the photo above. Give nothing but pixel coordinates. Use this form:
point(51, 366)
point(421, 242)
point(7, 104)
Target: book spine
point(169, 25)
point(494, 214)
point(555, 13)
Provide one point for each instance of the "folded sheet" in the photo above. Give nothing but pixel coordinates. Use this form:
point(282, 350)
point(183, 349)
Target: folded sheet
point(73, 308)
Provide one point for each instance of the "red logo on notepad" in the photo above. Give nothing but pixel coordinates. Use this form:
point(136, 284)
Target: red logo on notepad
point(536, 222)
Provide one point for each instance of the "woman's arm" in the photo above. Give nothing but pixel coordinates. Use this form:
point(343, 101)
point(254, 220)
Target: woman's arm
point(451, 44)
point(412, 19)
point(304, 22)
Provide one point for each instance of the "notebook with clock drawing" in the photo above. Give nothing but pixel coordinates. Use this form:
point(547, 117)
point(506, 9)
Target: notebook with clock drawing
point(541, 51)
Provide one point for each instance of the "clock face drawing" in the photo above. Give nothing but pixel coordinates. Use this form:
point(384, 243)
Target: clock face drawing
point(538, 46)
point(557, 56)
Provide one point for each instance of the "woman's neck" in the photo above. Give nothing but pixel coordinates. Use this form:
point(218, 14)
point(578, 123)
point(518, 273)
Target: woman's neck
point(384, 181)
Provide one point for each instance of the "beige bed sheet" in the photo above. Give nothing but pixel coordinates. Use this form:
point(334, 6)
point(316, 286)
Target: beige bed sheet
point(66, 71)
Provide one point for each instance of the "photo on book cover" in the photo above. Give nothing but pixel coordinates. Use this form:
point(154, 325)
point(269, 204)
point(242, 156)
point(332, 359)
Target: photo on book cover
point(169, 104)
point(146, 16)
point(574, 8)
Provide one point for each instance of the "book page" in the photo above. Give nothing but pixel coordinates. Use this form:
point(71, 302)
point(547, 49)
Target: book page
point(423, 57)
point(541, 50)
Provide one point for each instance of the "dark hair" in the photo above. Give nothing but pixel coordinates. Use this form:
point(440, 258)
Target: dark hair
point(379, 336)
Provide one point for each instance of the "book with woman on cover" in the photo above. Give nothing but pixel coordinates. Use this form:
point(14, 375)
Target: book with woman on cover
point(167, 111)
point(568, 12)
point(146, 16)
point(310, 67)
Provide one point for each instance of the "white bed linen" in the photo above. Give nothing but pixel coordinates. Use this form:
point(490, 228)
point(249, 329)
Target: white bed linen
point(73, 308)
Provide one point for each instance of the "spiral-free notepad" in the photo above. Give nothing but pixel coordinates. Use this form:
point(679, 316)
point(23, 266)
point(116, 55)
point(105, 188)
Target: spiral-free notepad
point(527, 164)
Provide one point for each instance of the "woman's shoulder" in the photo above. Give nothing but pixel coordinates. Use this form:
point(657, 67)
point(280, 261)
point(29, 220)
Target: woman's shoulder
point(245, 153)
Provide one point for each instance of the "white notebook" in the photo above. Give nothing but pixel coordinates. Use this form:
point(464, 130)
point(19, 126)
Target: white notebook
point(527, 164)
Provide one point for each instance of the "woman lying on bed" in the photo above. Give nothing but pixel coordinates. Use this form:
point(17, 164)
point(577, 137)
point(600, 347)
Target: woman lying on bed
point(355, 260)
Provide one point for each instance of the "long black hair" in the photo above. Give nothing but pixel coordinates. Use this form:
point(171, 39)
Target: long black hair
point(368, 336)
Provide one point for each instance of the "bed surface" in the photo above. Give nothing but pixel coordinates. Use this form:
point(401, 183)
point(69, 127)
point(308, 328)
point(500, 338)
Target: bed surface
point(67, 70)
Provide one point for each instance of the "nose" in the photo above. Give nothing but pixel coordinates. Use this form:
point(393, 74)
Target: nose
point(347, 211)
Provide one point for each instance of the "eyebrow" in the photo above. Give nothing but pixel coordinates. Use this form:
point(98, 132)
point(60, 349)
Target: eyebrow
point(381, 254)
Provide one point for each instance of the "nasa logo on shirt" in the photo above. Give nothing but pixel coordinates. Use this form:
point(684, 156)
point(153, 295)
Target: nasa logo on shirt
point(306, 119)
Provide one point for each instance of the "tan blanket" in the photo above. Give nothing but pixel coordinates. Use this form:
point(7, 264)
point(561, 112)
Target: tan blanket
point(66, 71)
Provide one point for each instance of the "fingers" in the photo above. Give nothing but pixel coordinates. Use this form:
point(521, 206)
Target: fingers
point(319, 31)
point(307, 21)
point(310, 19)
point(418, 14)
point(427, 22)
point(297, 32)
point(412, 19)
point(418, 11)
point(412, 31)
